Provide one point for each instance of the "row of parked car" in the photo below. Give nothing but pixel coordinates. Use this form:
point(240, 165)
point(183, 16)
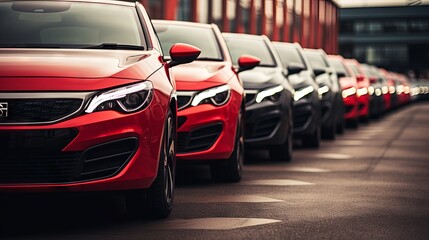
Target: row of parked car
point(94, 96)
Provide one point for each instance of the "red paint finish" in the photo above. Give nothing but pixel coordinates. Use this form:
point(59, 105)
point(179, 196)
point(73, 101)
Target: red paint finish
point(202, 75)
point(43, 71)
point(362, 85)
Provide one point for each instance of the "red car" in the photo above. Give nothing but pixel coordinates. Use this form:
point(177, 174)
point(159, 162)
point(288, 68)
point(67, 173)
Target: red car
point(349, 89)
point(211, 99)
point(363, 84)
point(389, 80)
point(88, 102)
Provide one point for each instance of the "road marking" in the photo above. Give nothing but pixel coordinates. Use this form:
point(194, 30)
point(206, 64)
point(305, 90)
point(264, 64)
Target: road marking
point(277, 182)
point(332, 156)
point(211, 223)
point(351, 142)
point(227, 199)
point(307, 170)
point(284, 169)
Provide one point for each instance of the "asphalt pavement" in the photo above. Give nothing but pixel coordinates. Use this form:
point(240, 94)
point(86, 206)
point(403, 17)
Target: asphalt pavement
point(370, 183)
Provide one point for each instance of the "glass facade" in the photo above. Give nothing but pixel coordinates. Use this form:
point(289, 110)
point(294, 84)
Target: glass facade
point(395, 38)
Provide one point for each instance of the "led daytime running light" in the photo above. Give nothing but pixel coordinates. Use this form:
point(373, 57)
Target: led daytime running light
point(209, 93)
point(323, 90)
point(268, 92)
point(302, 93)
point(349, 92)
point(116, 94)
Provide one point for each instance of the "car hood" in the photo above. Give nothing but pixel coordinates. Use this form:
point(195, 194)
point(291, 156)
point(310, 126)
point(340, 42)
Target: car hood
point(348, 82)
point(39, 69)
point(260, 77)
point(202, 74)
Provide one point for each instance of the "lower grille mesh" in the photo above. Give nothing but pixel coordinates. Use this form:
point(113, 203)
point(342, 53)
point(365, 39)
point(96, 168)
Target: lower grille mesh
point(199, 139)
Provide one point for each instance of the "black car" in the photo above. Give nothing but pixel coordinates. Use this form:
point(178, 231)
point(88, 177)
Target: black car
point(269, 96)
point(307, 115)
point(330, 90)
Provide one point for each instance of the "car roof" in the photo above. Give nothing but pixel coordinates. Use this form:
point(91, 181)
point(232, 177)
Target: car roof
point(115, 2)
point(182, 23)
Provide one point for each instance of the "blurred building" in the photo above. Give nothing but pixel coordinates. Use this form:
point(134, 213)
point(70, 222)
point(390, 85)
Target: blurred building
point(312, 23)
point(395, 38)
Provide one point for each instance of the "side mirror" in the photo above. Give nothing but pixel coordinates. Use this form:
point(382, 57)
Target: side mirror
point(319, 71)
point(373, 79)
point(294, 68)
point(247, 62)
point(181, 53)
point(360, 78)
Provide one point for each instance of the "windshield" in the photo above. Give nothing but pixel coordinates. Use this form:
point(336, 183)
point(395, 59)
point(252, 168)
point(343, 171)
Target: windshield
point(289, 54)
point(339, 67)
point(354, 68)
point(68, 24)
point(254, 47)
point(201, 37)
point(316, 59)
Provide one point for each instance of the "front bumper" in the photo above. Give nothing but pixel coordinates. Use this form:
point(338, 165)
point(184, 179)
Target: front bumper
point(363, 106)
point(305, 117)
point(351, 107)
point(207, 132)
point(267, 123)
point(91, 152)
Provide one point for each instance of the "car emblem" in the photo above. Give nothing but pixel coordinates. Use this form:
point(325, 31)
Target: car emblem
point(3, 109)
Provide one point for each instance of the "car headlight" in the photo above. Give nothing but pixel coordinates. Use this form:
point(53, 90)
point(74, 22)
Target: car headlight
point(126, 99)
point(323, 90)
point(271, 93)
point(392, 89)
point(385, 90)
point(299, 94)
point(349, 92)
point(400, 89)
point(217, 96)
point(362, 91)
point(407, 90)
point(378, 92)
point(371, 90)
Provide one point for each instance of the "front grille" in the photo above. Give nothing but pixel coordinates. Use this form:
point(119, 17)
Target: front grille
point(262, 128)
point(300, 119)
point(39, 110)
point(199, 139)
point(250, 97)
point(37, 157)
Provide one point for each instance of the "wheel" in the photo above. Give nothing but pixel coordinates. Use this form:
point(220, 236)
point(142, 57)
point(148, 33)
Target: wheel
point(284, 151)
point(157, 201)
point(313, 140)
point(231, 170)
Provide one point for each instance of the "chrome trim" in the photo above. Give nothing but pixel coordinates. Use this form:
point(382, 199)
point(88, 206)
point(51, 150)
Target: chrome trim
point(84, 96)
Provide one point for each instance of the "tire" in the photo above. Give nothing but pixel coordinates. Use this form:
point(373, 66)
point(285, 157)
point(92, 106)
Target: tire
point(231, 170)
point(157, 201)
point(313, 140)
